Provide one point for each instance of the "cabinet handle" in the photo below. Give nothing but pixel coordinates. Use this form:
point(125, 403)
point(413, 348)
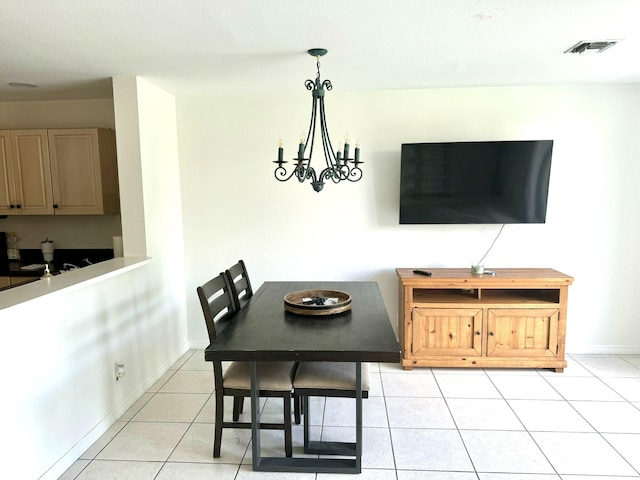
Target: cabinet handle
point(19, 206)
point(491, 333)
point(55, 205)
point(478, 333)
point(12, 206)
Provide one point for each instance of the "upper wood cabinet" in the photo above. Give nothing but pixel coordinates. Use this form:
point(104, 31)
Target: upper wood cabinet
point(58, 171)
point(25, 177)
point(84, 173)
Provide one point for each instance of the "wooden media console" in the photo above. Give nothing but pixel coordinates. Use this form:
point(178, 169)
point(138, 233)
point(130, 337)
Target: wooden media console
point(516, 318)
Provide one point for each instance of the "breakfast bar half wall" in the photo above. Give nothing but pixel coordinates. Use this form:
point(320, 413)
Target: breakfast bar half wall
point(61, 340)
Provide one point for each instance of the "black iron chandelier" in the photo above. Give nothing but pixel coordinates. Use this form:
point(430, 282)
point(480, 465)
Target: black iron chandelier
point(337, 163)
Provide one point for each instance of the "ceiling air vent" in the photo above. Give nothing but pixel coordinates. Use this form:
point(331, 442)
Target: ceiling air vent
point(596, 46)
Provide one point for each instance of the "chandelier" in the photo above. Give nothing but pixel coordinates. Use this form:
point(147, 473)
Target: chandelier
point(337, 166)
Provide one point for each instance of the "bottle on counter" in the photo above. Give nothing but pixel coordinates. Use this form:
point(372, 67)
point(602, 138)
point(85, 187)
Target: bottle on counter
point(13, 252)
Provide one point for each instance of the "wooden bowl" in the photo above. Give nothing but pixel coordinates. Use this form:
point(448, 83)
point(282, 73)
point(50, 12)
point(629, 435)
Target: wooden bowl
point(305, 302)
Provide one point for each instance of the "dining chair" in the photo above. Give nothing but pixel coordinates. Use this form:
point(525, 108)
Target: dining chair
point(219, 309)
point(325, 379)
point(240, 284)
point(241, 292)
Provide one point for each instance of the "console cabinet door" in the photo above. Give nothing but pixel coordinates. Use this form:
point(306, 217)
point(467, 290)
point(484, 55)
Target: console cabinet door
point(446, 331)
point(522, 332)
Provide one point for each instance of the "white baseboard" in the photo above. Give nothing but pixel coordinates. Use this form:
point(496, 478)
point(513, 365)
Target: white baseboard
point(578, 350)
point(198, 345)
point(604, 350)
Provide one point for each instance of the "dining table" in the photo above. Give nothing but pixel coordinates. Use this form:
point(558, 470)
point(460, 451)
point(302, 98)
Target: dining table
point(263, 330)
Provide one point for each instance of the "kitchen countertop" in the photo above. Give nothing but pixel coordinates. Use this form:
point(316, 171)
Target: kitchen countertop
point(14, 269)
point(78, 278)
point(74, 256)
point(33, 257)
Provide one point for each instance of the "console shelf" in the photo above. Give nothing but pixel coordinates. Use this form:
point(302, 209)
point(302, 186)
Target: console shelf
point(454, 318)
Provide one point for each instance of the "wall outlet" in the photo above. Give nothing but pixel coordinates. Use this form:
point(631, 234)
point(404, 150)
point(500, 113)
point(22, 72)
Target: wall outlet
point(119, 370)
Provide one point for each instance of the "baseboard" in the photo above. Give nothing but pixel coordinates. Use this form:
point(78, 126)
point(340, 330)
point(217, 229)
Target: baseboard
point(198, 345)
point(578, 350)
point(604, 350)
point(61, 466)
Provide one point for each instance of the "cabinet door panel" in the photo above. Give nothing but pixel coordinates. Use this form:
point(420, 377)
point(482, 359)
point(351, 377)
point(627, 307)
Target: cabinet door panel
point(522, 332)
point(31, 172)
point(6, 176)
point(445, 331)
point(75, 167)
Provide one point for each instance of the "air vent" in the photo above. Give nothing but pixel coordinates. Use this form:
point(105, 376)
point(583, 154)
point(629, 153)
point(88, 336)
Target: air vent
point(597, 46)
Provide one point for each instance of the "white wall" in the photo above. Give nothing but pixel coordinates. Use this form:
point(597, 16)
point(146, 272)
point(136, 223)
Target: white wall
point(234, 208)
point(59, 351)
point(85, 231)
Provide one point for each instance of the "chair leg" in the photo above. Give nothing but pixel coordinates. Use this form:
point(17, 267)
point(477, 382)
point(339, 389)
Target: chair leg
point(238, 403)
point(217, 437)
point(297, 408)
point(287, 426)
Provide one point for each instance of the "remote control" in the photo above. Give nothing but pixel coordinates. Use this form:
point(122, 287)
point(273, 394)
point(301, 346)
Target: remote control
point(422, 272)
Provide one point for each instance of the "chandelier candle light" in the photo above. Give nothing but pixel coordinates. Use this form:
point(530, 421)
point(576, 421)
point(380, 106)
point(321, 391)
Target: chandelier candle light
point(337, 165)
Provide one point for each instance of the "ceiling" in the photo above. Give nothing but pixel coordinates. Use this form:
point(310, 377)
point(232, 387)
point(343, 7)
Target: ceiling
point(71, 48)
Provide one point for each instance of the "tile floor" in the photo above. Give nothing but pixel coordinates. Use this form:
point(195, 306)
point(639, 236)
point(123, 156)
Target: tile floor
point(430, 423)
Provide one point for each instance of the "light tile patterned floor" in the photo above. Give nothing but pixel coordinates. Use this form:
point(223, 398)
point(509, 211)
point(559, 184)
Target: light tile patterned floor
point(439, 424)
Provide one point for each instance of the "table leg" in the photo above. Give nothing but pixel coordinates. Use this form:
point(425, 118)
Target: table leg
point(255, 414)
point(358, 416)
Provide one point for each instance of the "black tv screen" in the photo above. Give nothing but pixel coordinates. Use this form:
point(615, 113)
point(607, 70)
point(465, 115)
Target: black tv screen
point(475, 182)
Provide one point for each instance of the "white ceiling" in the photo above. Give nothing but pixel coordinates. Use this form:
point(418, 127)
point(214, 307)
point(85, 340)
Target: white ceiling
point(71, 48)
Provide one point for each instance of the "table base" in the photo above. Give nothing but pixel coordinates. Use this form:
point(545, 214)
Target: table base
point(317, 465)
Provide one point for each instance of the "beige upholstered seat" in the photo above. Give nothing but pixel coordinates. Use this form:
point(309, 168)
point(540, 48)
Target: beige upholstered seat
point(327, 379)
point(272, 376)
point(330, 376)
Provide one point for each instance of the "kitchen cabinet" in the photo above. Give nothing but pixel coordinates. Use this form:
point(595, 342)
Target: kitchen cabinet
point(25, 176)
point(453, 318)
point(58, 172)
point(84, 172)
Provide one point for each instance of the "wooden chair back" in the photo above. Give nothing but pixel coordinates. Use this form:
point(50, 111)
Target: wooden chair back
point(218, 305)
point(240, 284)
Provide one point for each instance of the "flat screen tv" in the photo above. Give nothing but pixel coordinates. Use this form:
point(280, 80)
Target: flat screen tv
point(475, 182)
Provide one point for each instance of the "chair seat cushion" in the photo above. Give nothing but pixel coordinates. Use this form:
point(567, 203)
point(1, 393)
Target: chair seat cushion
point(330, 376)
point(276, 376)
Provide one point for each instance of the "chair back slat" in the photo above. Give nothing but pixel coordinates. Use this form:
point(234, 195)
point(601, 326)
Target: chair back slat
point(218, 305)
point(240, 284)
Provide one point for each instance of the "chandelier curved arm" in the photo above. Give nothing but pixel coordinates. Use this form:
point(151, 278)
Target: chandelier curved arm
point(302, 172)
point(355, 173)
point(329, 154)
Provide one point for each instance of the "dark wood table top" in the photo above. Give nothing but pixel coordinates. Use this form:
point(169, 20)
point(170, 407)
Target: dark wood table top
point(264, 330)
